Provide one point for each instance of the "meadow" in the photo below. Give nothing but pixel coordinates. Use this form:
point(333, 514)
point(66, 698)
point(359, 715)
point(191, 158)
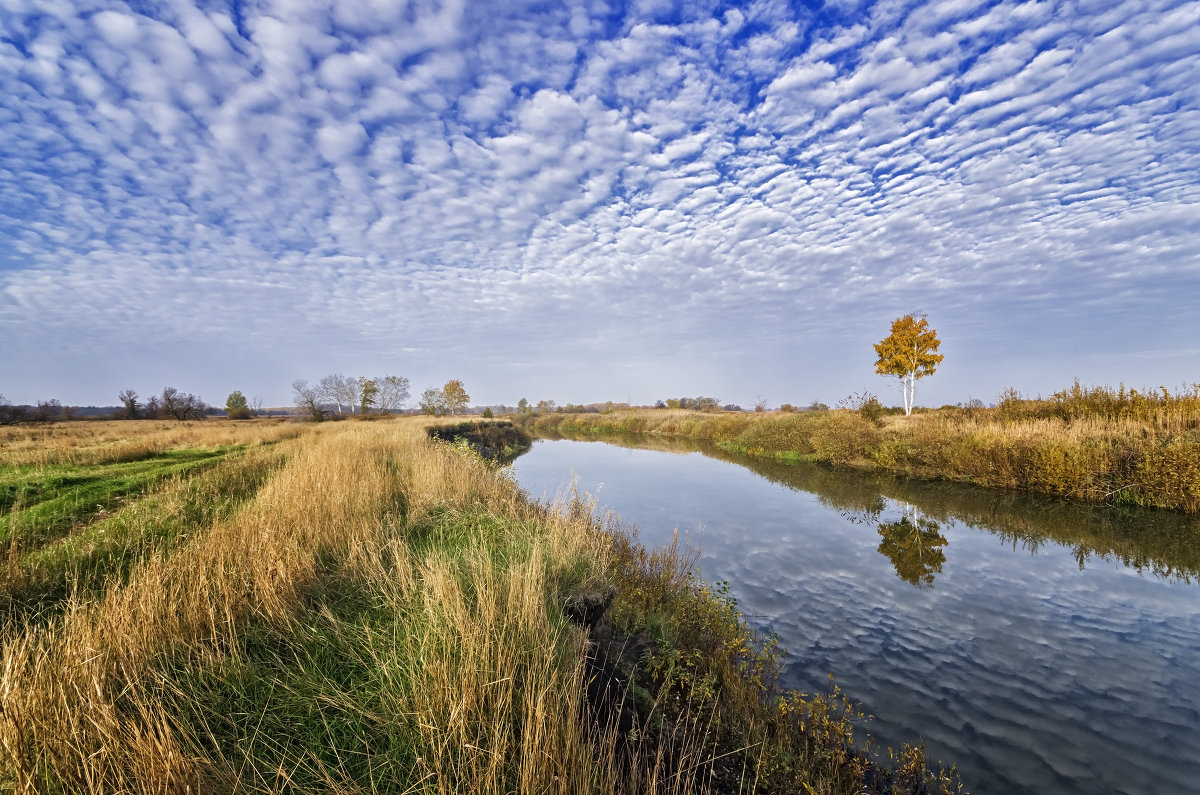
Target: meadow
point(1097, 444)
point(355, 607)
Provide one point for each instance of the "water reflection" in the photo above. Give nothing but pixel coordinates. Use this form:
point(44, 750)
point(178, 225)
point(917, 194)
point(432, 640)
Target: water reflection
point(913, 543)
point(999, 649)
point(1161, 544)
point(914, 546)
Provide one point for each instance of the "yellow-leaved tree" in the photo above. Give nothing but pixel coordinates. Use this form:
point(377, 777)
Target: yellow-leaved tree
point(909, 353)
point(455, 397)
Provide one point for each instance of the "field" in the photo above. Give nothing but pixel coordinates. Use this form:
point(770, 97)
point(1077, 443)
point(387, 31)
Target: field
point(1094, 444)
point(354, 607)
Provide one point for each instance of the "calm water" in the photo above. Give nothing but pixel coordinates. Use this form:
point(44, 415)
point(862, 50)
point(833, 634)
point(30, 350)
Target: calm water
point(1043, 647)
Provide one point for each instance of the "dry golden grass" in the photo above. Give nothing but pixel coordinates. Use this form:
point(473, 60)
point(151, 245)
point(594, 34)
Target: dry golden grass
point(386, 614)
point(108, 441)
point(487, 675)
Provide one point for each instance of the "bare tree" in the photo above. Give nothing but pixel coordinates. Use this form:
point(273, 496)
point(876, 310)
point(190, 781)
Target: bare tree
point(50, 411)
point(182, 405)
point(326, 390)
point(348, 392)
point(392, 393)
point(10, 414)
point(256, 406)
point(309, 399)
point(45, 411)
point(340, 390)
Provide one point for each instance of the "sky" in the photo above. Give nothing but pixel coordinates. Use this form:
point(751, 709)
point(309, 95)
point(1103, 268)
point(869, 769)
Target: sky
point(587, 201)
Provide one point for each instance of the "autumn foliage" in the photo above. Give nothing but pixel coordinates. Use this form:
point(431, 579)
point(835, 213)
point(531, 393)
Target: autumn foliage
point(908, 353)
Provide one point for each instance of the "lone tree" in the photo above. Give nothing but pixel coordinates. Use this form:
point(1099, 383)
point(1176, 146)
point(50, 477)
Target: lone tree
point(909, 353)
point(236, 406)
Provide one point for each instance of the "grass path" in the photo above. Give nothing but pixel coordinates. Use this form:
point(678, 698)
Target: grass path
point(47, 502)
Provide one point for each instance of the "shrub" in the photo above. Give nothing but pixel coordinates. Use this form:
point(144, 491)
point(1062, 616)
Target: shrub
point(844, 439)
point(1169, 475)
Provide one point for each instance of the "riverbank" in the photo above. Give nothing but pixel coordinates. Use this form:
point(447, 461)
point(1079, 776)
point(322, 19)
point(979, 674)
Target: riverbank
point(354, 606)
point(1151, 460)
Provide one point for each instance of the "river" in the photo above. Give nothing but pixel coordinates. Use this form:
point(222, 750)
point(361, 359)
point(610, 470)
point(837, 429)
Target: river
point(1040, 645)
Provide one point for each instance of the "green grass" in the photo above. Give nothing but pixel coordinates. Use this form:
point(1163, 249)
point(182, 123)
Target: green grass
point(49, 501)
point(307, 707)
point(153, 506)
point(319, 703)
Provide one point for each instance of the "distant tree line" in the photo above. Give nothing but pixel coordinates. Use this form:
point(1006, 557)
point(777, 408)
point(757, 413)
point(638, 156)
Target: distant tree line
point(550, 406)
point(343, 395)
point(44, 411)
point(695, 404)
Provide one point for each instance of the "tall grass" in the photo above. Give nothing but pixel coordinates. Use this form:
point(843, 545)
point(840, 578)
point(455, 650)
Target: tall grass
point(300, 609)
point(1095, 444)
point(1167, 411)
point(105, 544)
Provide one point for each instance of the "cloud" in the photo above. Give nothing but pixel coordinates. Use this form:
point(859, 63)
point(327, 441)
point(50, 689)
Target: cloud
point(482, 179)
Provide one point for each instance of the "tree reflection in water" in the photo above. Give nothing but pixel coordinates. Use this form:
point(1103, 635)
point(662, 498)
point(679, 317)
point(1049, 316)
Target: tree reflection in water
point(914, 546)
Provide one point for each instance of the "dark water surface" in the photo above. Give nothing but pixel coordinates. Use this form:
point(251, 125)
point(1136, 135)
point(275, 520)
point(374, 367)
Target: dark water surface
point(1044, 647)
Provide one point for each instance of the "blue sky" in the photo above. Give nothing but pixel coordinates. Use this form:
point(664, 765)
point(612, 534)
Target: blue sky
point(588, 201)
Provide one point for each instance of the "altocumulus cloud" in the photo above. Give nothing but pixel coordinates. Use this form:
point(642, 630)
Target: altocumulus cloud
point(592, 200)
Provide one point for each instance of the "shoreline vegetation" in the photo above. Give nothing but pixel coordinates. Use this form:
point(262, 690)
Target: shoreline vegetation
point(355, 607)
point(1120, 447)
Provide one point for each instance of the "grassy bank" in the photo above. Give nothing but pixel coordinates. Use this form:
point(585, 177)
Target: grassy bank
point(355, 607)
point(1097, 445)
